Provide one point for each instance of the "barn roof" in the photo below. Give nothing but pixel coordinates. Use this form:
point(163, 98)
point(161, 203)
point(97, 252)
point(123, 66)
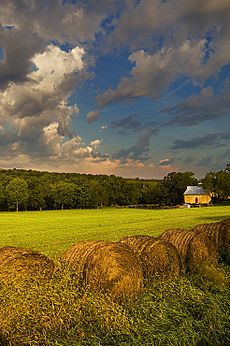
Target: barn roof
point(195, 190)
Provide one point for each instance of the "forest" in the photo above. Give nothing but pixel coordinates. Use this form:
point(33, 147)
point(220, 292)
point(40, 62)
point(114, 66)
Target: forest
point(38, 190)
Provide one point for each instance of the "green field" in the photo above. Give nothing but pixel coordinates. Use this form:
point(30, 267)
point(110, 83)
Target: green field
point(190, 310)
point(51, 232)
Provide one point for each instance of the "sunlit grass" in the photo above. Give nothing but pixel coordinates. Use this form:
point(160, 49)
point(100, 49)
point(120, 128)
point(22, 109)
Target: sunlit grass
point(51, 232)
point(56, 311)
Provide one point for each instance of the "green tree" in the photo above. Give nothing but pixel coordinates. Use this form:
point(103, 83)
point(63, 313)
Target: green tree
point(98, 193)
point(63, 194)
point(17, 193)
point(176, 184)
point(154, 192)
point(2, 197)
point(218, 184)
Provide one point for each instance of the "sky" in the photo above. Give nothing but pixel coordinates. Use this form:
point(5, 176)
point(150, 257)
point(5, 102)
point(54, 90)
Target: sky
point(134, 88)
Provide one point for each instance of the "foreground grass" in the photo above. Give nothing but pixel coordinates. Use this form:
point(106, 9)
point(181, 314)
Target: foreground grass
point(190, 310)
point(51, 232)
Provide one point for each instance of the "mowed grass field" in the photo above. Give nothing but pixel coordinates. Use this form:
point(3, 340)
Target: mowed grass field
point(51, 232)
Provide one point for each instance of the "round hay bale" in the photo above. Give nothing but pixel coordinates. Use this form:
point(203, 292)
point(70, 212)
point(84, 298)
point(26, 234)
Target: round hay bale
point(225, 235)
point(201, 252)
point(181, 239)
point(23, 264)
point(217, 236)
point(8, 252)
point(106, 266)
point(138, 242)
point(157, 257)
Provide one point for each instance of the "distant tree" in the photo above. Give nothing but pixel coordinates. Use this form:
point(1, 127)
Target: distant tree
point(17, 193)
point(209, 182)
point(223, 184)
point(218, 184)
point(176, 184)
point(154, 192)
point(96, 194)
point(63, 194)
point(2, 197)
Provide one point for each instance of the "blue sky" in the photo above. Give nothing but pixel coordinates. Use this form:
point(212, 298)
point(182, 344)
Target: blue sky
point(124, 87)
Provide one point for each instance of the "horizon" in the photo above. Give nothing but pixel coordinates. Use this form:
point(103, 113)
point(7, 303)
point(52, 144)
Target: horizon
point(131, 88)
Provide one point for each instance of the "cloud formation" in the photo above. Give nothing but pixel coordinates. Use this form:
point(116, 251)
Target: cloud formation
point(37, 77)
point(186, 38)
point(152, 73)
point(139, 151)
point(199, 108)
point(213, 140)
point(153, 65)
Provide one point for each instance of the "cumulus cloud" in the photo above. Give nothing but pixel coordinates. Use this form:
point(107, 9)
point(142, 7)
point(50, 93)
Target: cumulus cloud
point(46, 48)
point(150, 20)
point(185, 38)
point(34, 104)
point(37, 77)
point(33, 24)
point(92, 116)
point(152, 73)
point(74, 149)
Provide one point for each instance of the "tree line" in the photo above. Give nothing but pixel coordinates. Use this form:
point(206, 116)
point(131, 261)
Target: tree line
point(34, 190)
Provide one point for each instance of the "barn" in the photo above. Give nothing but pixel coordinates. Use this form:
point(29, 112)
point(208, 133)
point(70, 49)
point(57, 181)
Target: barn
point(196, 195)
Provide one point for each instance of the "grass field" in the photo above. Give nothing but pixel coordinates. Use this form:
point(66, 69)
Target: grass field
point(51, 232)
point(190, 310)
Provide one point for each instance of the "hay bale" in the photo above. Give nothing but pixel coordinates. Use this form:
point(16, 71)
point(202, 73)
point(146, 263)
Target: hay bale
point(225, 235)
point(181, 239)
point(157, 257)
point(17, 264)
point(138, 242)
point(106, 266)
point(8, 252)
point(201, 252)
point(217, 237)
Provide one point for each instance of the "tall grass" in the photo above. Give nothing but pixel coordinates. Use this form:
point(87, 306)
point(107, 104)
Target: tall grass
point(190, 310)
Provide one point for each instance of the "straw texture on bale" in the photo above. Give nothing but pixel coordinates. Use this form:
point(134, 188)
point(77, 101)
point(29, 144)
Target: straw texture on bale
point(217, 237)
point(201, 252)
point(157, 257)
point(107, 266)
point(181, 239)
point(20, 263)
point(201, 246)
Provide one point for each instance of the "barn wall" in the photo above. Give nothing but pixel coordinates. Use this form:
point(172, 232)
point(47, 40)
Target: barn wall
point(201, 199)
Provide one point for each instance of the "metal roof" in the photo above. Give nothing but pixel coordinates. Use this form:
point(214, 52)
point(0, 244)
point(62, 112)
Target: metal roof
point(195, 190)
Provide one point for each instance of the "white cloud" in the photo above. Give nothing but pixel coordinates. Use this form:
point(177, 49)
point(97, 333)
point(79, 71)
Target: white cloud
point(53, 65)
point(31, 107)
